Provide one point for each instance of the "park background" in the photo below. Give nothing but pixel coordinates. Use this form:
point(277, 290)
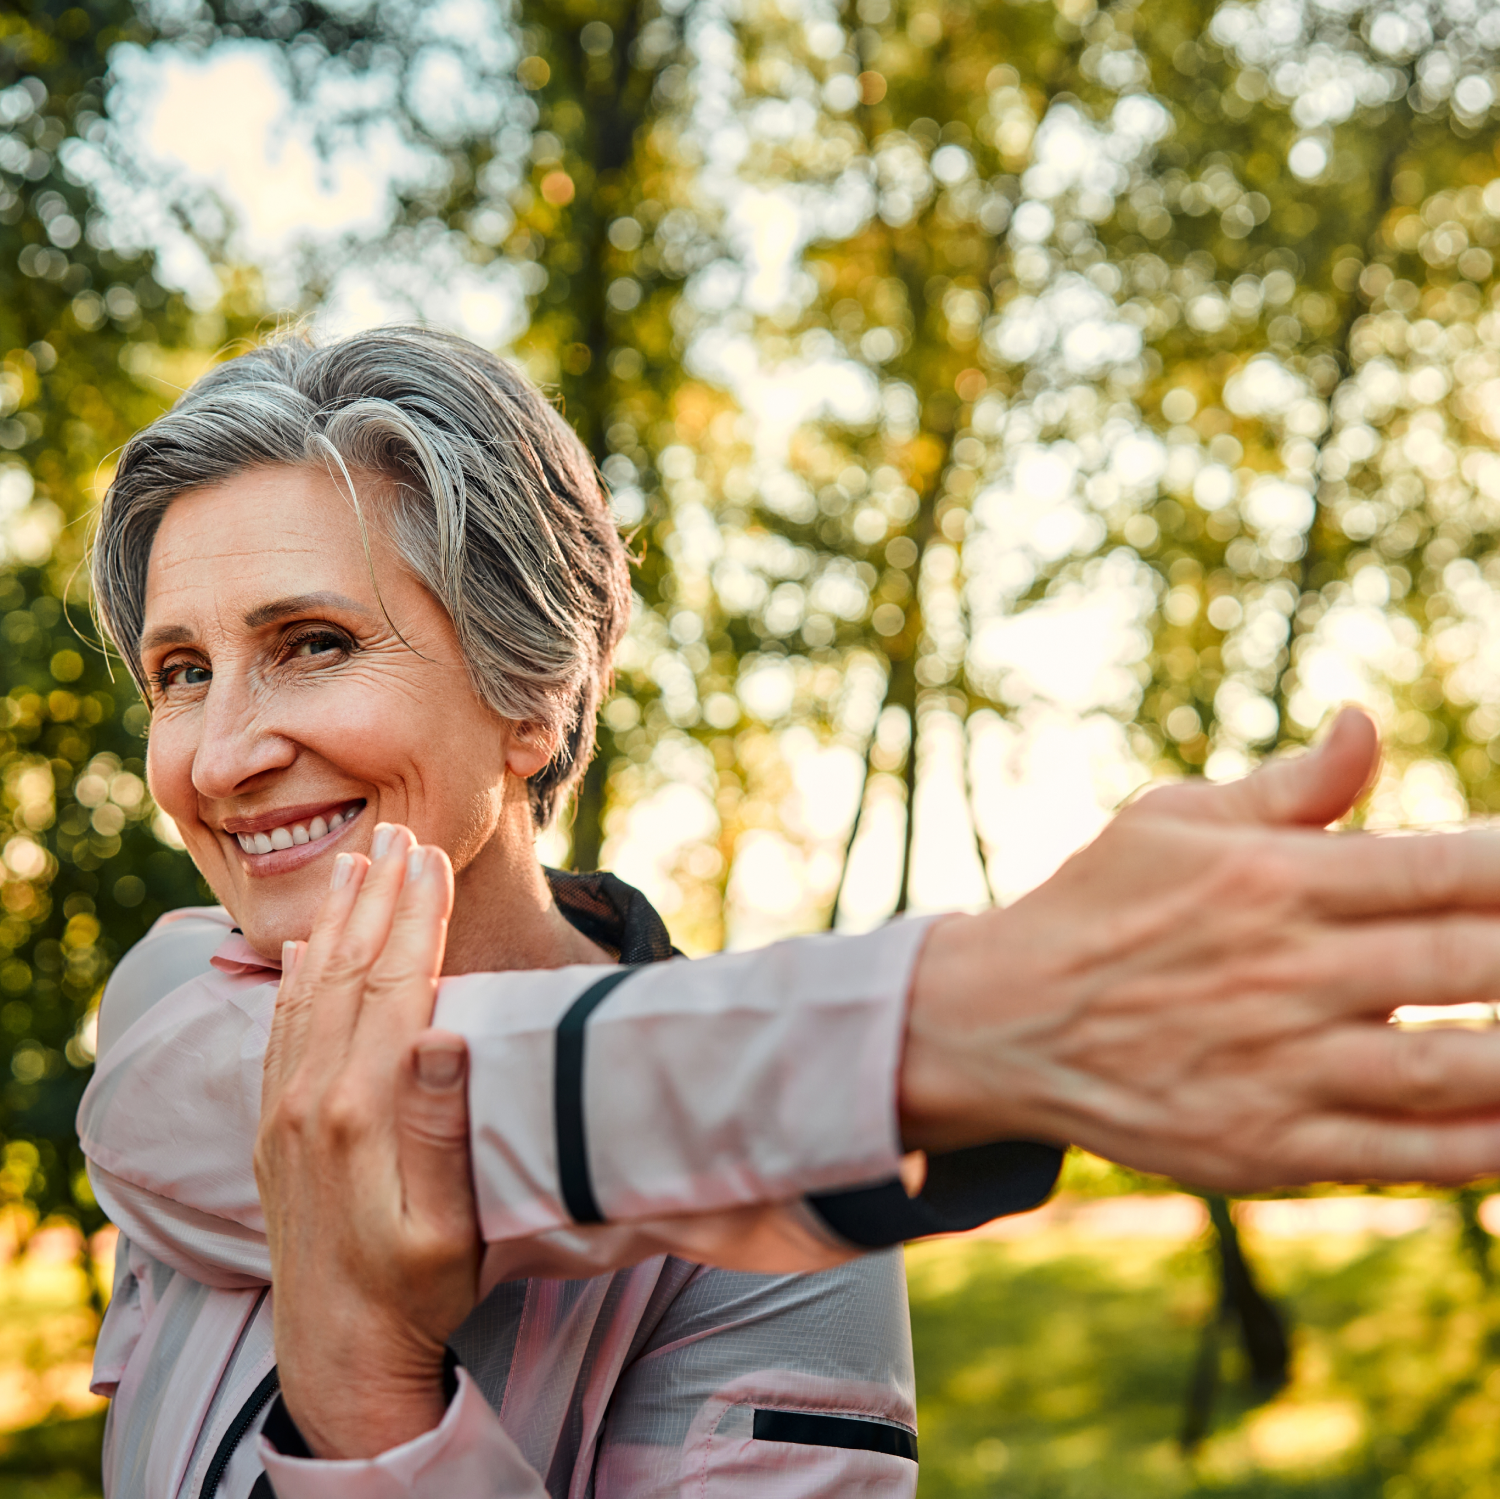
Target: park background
point(1010, 402)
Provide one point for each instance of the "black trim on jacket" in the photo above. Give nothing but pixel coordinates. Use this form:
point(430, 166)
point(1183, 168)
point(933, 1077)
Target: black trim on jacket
point(964, 1189)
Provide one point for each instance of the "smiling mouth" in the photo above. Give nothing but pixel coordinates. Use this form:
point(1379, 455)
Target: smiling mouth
point(292, 835)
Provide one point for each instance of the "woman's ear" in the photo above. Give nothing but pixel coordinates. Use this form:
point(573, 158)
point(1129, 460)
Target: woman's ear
point(528, 747)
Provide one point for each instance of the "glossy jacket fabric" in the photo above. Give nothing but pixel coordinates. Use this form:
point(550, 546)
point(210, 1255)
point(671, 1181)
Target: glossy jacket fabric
point(740, 1118)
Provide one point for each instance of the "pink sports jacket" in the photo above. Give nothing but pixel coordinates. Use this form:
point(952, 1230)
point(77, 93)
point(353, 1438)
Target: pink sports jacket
point(677, 1166)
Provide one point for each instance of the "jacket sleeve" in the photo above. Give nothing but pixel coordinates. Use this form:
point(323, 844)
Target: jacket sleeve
point(770, 1385)
point(467, 1453)
point(738, 1110)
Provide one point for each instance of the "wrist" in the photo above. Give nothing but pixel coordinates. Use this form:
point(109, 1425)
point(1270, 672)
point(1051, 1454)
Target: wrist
point(337, 1420)
point(961, 1081)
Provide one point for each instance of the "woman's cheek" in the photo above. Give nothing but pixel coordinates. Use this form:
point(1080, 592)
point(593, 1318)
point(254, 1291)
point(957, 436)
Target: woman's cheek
point(169, 768)
point(169, 775)
point(374, 739)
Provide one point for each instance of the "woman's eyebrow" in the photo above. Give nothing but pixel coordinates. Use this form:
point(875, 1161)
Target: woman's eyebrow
point(167, 635)
point(300, 604)
point(263, 614)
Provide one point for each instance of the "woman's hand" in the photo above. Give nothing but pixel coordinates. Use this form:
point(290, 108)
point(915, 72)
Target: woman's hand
point(1204, 992)
point(362, 1158)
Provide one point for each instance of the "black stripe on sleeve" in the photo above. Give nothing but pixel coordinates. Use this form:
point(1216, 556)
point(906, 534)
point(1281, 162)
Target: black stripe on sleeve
point(818, 1431)
point(574, 1179)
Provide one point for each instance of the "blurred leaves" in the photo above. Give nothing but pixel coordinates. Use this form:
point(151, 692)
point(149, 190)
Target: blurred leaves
point(950, 365)
point(85, 334)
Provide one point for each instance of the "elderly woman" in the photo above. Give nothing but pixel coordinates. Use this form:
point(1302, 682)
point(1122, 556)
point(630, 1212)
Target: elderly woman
point(367, 589)
point(371, 592)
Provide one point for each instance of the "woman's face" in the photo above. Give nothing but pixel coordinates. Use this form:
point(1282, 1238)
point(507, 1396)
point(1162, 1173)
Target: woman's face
point(289, 717)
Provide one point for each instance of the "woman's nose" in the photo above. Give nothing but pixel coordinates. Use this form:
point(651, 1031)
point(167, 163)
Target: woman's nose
point(238, 742)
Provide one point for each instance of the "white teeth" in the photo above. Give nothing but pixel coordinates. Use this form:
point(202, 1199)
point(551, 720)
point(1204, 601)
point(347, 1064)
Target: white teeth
point(297, 833)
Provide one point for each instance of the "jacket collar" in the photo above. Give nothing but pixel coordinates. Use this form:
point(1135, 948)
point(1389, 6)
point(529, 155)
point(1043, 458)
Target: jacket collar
point(614, 915)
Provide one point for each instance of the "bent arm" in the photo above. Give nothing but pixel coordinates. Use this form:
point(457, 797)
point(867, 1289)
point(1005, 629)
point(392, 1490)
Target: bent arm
point(1203, 992)
point(739, 1110)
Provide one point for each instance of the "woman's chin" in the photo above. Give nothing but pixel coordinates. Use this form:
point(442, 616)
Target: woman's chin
point(268, 932)
point(269, 913)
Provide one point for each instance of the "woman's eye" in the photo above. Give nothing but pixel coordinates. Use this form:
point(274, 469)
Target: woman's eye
point(317, 645)
point(184, 674)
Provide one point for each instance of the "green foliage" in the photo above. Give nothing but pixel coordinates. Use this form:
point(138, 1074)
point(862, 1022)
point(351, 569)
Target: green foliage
point(1269, 394)
point(604, 228)
point(1232, 259)
point(1058, 1367)
point(86, 875)
point(55, 1458)
point(76, 317)
point(47, 1329)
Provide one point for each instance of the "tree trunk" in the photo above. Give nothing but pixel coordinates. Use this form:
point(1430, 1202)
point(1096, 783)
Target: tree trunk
point(1261, 1327)
point(588, 806)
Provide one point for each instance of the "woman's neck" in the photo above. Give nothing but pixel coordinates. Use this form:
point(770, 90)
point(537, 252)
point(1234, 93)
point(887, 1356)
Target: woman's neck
point(504, 916)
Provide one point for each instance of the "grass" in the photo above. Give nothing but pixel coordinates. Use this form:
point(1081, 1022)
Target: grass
point(1053, 1365)
point(58, 1457)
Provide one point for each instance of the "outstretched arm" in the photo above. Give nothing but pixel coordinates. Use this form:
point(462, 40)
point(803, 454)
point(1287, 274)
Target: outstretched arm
point(1205, 992)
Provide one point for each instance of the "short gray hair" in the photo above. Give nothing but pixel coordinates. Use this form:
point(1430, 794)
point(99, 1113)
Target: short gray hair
point(498, 509)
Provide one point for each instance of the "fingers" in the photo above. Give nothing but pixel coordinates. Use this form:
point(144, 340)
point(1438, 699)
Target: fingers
point(369, 925)
point(1370, 968)
point(1354, 1148)
point(1310, 790)
point(432, 1126)
point(1380, 1069)
point(309, 995)
point(288, 1021)
point(1362, 875)
point(376, 949)
point(1314, 789)
point(338, 967)
point(402, 983)
point(300, 985)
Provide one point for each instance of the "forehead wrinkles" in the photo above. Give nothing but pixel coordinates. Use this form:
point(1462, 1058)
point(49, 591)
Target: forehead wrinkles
point(208, 561)
point(264, 512)
point(210, 592)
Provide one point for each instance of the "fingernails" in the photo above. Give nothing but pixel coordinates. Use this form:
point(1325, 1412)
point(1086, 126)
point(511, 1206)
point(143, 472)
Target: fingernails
point(288, 956)
point(439, 1066)
point(343, 868)
point(415, 863)
point(384, 833)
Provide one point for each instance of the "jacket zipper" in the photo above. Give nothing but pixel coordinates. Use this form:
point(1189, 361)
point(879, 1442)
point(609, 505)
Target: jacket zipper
point(260, 1398)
